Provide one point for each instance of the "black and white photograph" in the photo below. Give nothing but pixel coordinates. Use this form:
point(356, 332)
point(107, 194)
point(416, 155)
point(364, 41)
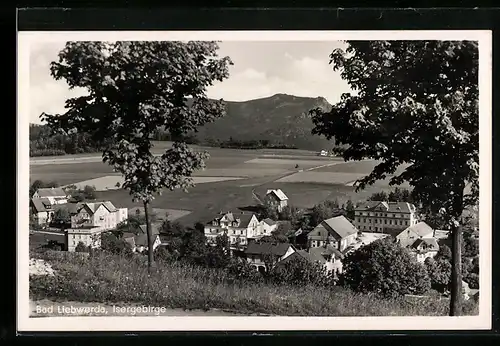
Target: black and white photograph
point(250, 181)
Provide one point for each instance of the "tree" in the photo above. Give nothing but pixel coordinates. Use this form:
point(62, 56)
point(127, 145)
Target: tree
point(444, 253)
point(81, 247)
point(62, 216)
point(268, 211)
point(439, 273)
point(323, 211)
point(349, 209)
point(385, 268)
point(89, 192)
point(379, 196)
point(289, 213)
point(135, 87)
point(416, 104)
point(298, 271)
point(110, 243)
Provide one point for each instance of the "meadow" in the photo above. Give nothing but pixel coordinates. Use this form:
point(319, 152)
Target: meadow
point(107, 279)
point(250, 171)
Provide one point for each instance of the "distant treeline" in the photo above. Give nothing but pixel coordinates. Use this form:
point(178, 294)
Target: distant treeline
point(230, 143)
point(44, 143)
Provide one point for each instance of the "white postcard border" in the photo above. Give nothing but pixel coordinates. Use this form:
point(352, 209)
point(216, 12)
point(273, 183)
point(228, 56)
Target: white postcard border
point(482, 321)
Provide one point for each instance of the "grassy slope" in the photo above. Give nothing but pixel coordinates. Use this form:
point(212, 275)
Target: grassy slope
point(113, 279)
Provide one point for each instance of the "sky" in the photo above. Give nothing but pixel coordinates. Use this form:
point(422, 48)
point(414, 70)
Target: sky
point(260, 69)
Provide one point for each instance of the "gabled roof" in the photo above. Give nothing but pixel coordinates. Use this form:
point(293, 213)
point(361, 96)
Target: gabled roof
point(278, 193)
point(243, 219)
point(339, 227)
point(326, 251)
point(269, 221)
point(92, 207)
point(431, 243)
point(421, 229)
point(137, 239)
point(391, 207)
point(41, 204)
point(51, 192)
point(266, 248)
point(155, 228)
point(302, 255)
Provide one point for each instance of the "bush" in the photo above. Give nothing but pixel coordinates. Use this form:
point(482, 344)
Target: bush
point(473, 280)
point(298, 272)
point(111, 244)
point(385, 268)
point(242, 272)
point(89, 192)
point(81, 247)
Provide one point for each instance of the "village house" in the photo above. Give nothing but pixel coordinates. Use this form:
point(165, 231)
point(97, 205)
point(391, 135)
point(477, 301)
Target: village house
point(101, 215)
point(268, 226)
point(139, 241)
point(261, 255)
point(336, 231)
point(277, 199)
point(88, 235)
point(332, 257)
point(55, 195)
point(42, 210)
point(238, 227)
point(424, 248)
point(409, 235)
point(376, 216)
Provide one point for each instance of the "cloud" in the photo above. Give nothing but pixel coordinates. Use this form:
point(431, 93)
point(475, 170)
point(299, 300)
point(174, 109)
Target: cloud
point(259, 70)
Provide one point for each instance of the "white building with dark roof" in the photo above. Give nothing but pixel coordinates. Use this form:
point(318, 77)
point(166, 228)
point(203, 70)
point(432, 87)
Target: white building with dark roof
point(55, 195)
point(376, 216)
point(239, 227)
point(336, 231)
point(277, 199)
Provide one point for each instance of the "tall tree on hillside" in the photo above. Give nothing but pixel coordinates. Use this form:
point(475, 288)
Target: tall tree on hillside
point(133, 89)
point(416, 103)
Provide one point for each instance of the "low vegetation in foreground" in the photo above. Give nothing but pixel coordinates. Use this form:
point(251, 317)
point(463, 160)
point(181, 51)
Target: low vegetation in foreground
point(110, 278)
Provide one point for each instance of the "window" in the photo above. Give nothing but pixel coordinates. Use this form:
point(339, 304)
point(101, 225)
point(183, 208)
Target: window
point(385, 222)
point(376, 221)
point(376, 229)
point(364, 220)
point(406, 223)
point(370, 228)
point(400, 222)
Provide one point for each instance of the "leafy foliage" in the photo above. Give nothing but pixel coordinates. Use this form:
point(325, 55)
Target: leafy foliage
point(439, 273)
point(299, 272)
point(385, 268)
point(81, 247)
point(135, 87)
point(415, 104)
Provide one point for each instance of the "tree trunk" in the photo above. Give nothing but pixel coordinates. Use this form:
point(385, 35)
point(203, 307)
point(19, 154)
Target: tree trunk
point(456, 271)
point(149, 232)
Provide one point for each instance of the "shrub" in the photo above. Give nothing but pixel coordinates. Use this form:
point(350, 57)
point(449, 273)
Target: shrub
point(472, 279)
point(299, 271)
point(81, 247)
point(385, 268)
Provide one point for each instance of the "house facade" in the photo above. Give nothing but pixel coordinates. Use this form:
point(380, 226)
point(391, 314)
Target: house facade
point(268, 226)
point(424, 248)
point(336, 231)
point(42, 210)
point(376, 216)
point(239, 228)
point(277, 199)
point(409, 235)
point(329, 256)
point(55, 195)
point(89, 236)
point(102, 215)
point(259, 254)
point(139, 242)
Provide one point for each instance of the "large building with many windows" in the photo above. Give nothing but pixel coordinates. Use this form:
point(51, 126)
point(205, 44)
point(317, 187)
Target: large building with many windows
point(375, 216)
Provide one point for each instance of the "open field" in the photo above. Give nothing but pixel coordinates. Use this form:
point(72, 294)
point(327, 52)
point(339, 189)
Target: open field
point(258, 171)
point(110, 182)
